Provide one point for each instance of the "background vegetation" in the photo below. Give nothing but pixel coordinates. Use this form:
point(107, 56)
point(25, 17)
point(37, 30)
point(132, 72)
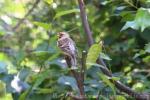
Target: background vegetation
point(28, 47)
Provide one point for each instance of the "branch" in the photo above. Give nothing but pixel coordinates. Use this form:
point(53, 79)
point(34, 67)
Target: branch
point(27, 14)
point(83, 67)
point(85, 23)
point(118, 84)
point(77, 77)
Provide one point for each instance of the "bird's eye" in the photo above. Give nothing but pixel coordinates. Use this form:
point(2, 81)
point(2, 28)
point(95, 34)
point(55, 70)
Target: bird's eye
point(59, 35)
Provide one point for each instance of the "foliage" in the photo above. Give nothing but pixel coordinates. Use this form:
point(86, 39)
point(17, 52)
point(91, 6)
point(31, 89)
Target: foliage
point(31, 51)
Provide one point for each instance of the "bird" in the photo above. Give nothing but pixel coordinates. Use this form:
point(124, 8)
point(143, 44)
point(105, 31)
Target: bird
point(68, 47)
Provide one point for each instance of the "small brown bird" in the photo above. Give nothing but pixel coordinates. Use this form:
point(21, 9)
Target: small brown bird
point(67, 45)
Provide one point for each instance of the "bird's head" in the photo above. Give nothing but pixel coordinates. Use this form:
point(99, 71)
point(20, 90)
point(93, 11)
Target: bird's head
point(62, 34)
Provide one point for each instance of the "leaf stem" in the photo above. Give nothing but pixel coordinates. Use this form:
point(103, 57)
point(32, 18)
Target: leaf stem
point(129, 3)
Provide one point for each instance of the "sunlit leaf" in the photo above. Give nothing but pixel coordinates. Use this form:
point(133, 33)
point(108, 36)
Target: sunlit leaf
point(130, 24)
point(106, 80)
point(141, 20)
point(46, 26)
point(104, 56)
point(8, 96)
point(115, 78)
point(16, 8)
point(49, 1)
point(93, 54)
point(139, 87)
point(2, 89)
point(62, 13)
point(146, 59)
point(119, 97)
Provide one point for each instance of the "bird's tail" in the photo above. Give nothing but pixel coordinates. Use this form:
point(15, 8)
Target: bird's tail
point(73, 62)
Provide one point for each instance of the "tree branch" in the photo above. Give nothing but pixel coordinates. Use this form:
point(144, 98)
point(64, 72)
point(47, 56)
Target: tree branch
point(118, 84)
point(83, 67)
point(27, 14)
point(77, 77)
point(85, 23)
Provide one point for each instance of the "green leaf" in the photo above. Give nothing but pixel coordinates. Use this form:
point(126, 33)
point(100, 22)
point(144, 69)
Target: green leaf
point(104, 56)
point(130, 24)
point(45, 91)
point(139, 86)
point(49, 1)
point(93, 54)
point(67, 80)
point(3, 67)
point(2, 89)
point(106, 80)
point(41, 77)
point(94, 64)
point(62, 13)
point(127, 16)
point(146, 59)
point(119, 97)
point(42, 56)
point(19, 57)
point(46, 26)
point(147, 48)
point(25, 94)
point(41, 53)
point(16, 8)
point(7, 97)
point(141, 20)
point(115, 78)
point(24, 73)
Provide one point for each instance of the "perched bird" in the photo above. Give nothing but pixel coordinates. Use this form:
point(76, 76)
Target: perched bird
point(67, 45)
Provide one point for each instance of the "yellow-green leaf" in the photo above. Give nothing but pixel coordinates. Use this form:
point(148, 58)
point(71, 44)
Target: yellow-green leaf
point(49, 1)
point(93, 54)
point(2, 89)
point(8, 96)
point(119, 97)
point(106, 80)
point(46, 26)
point(62, 13)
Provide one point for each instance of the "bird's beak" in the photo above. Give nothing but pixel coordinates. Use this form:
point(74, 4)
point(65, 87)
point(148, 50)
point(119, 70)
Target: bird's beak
point(58, 35)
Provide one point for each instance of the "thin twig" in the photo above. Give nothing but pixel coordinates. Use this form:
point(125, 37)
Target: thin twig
point(83, 67)
point(27, 14)
point(129, 3)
